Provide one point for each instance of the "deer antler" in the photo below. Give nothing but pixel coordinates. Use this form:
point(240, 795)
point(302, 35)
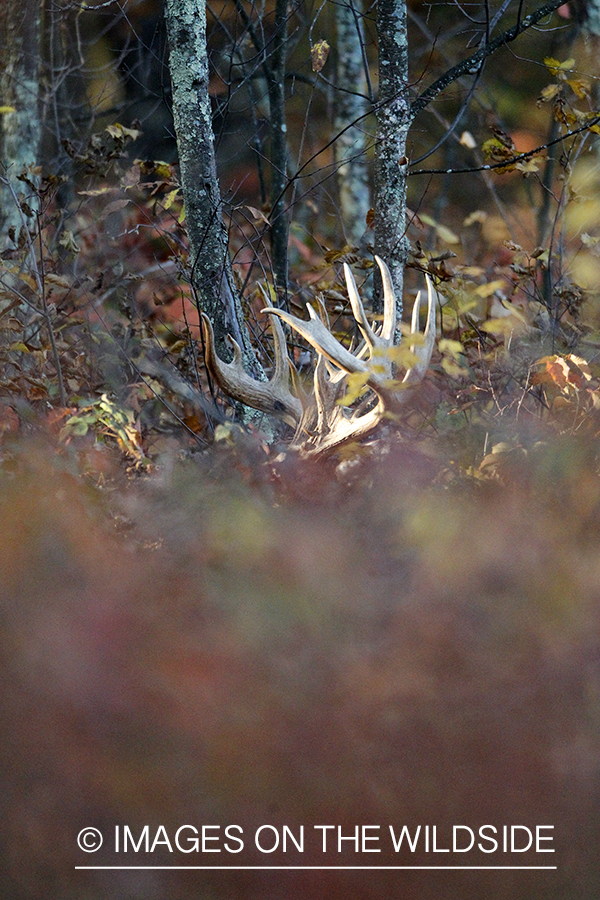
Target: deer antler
point(272, 396)
point(322, 422)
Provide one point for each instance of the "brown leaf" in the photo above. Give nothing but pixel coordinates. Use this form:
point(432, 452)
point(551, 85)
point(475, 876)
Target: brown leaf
point(257, 215)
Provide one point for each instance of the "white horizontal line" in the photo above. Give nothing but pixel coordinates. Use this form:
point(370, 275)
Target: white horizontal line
point(313, 868)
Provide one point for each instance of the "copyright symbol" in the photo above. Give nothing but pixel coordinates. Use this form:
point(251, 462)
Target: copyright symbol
point(89, 840)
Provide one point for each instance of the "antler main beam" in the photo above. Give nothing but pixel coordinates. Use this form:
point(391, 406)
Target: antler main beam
point(273, 396)
point(322, 422)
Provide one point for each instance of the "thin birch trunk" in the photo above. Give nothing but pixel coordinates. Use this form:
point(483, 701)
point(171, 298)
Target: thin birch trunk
point(351, 105)
point(393, 122)
point(211, 266)
point(19, 95)
point(279, 175)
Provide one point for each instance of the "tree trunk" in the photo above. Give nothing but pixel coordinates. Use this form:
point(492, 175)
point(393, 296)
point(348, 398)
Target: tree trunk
point(279, 176)
point(212, 275)
point(19, 93)
point(393, 122)
point(350, 147)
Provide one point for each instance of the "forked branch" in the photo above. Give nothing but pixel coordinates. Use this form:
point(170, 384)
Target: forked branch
point(322, 421)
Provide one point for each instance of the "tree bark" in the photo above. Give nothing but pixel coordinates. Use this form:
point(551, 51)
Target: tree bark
point(19, 91)
point(212, 274)
point(393, 122)
point(351, 105)
point(279, 175)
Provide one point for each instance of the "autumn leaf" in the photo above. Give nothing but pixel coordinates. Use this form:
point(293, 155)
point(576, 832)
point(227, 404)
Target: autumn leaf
point(503, 326)
point(528, 165)
point(556, 68)
point(549, 93)
point(494, 150)
point(580, 87)
point(318, 55)
point(356, 382)
point(450, 347)
point(120, 132)
point(67, 240)
point(171, 198)
point(60, 281)
point(444, 233)
point(257, 214)
point(452, 368)
point(486, 290)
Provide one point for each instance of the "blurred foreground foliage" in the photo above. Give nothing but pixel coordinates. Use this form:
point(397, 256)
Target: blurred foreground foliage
point(236, 639)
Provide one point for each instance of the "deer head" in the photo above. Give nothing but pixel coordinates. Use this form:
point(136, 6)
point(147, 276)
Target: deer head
point(322, 422)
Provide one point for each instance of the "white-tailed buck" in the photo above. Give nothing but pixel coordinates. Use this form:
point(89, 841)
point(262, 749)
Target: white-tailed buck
point(322, 421)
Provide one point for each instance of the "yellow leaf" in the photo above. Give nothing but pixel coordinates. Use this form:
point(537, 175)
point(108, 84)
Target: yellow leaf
point(486, 290)
point(476, 217)
point(162, 169)
point(585, 269)
point(170, 198)
point(555, 67)
point(443, 232)
point(583, 215)
point(552, 64)
point(6, 109)
point(453, 348)
point(402, 356)
point(318, 55)
point(452, 368)
point(447, 235)
point(504, 326)
point(96, 192)
point(495, 151)
point(355, 382)
point(528, 165)
point(549, 93)
point(580, 87)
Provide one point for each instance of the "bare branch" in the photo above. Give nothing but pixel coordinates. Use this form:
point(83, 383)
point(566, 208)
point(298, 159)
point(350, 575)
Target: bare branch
point(511, 161)
point(472, 64)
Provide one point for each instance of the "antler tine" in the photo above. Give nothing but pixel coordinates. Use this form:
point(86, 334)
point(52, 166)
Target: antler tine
point(358, 309)
point(424, 350)
point(272, 396)
point(388, 329)
point(282, 361)
point(414, 319)
point(321, 339)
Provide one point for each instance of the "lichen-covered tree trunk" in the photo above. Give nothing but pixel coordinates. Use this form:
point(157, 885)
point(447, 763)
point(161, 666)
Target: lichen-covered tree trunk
point(351, 106)
point(19, 92)
point(393, 122)
point(279, 176)
point(211, 265)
